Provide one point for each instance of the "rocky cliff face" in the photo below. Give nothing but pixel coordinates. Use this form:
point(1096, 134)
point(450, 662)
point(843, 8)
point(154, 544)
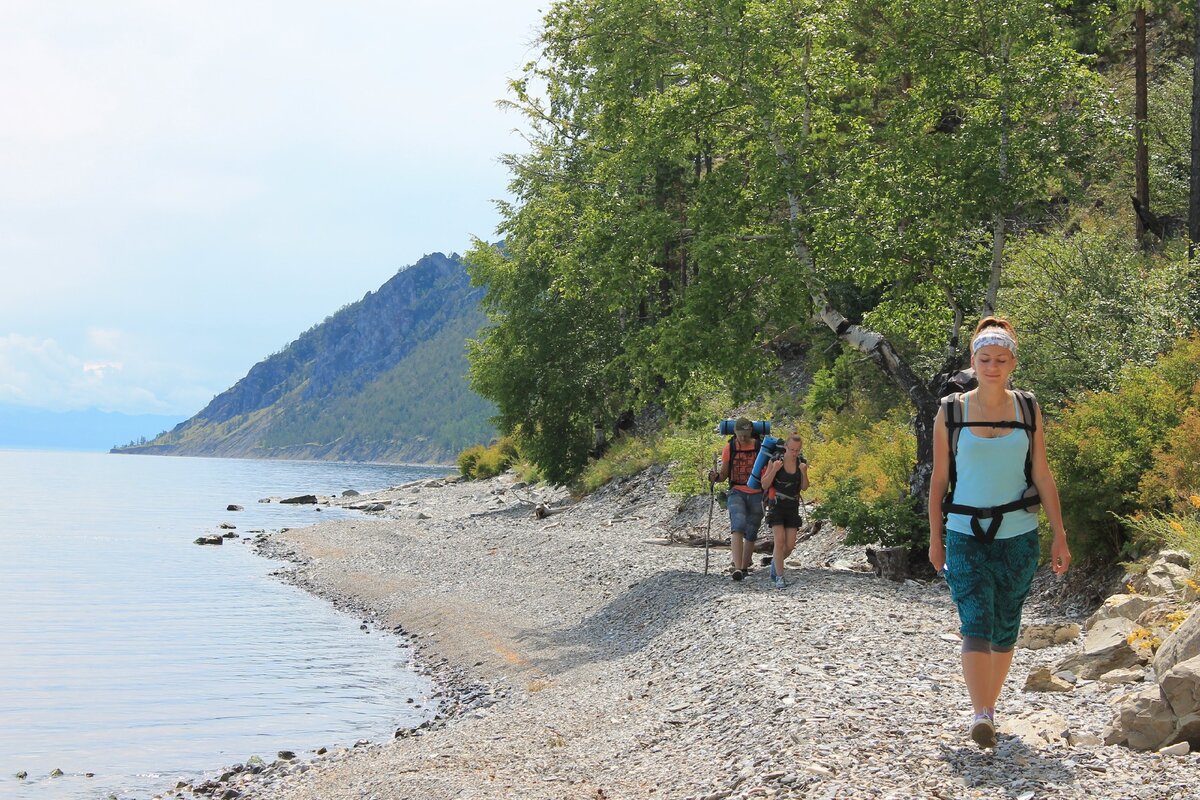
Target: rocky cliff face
point(382, 379)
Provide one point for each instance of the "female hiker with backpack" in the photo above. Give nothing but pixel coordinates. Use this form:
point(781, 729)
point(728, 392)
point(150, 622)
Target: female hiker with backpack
point(784, 478)
point(989, 475)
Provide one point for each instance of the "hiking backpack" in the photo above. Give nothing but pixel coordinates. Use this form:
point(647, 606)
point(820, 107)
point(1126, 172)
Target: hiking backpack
point(1029, 500)
point(733, 459)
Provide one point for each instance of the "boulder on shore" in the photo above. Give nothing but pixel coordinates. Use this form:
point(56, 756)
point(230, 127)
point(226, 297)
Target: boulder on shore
point(1105, 648)
point(303, 499)
point(1168, 712)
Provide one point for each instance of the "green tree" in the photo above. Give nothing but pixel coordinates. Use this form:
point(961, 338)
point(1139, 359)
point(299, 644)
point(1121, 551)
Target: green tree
point(1091, 304)
point(705, 175)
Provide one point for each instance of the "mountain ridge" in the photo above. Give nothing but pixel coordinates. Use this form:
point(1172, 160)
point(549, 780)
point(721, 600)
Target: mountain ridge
point(381, 379)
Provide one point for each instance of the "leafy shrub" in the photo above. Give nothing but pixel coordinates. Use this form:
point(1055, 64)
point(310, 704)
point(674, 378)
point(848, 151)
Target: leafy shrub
point(851, 384)
point(692, 453)
point(1114, 451)
point(891, 520)
point(879, 455)
point(1100, 450)
point(1176, 470)
point(479, 462)
point(1089, 305)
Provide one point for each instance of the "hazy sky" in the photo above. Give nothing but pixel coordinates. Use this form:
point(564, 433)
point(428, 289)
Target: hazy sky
point(185, 187)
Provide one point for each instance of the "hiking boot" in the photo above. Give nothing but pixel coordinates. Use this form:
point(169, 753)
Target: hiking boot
point(983, 730)
point(773, 575)
point(738, 574)
point(780, 582)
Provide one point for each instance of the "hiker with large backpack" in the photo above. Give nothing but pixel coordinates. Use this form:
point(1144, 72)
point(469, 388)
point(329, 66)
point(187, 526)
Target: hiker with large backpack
point(745, 504)
point(990, 474)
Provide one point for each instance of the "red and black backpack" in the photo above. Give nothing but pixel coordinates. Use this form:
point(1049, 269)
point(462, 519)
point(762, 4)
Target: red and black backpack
point(741, 462)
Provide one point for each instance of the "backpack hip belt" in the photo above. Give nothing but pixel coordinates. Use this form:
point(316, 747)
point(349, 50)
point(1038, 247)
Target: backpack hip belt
point(995, 514)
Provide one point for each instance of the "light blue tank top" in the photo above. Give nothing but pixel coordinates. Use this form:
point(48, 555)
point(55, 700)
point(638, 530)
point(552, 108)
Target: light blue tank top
point(991, 472)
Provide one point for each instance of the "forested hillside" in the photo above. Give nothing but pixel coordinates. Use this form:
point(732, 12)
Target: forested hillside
point(383, 379)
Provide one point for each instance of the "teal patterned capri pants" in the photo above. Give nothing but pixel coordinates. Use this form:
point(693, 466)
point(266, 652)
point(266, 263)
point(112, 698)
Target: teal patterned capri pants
point(989, 584)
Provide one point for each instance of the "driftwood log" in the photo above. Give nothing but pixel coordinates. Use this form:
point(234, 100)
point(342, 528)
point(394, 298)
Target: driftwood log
point(763, 546)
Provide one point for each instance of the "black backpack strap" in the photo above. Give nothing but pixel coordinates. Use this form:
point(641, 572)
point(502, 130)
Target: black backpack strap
point(952, 414)
point(732, 456)
point(1028, 404)
point(1029, 409)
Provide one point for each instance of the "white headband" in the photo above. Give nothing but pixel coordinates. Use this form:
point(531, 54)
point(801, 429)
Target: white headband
point(994, 336)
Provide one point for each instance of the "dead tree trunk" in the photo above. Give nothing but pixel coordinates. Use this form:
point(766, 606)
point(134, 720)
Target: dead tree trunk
point(1141, 115)
point(1194, 187)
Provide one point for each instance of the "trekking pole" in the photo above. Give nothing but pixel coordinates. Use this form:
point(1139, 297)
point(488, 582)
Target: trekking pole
point(712, 499)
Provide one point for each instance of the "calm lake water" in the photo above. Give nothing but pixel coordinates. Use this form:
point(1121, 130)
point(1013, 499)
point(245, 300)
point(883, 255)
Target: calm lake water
point(129, 652)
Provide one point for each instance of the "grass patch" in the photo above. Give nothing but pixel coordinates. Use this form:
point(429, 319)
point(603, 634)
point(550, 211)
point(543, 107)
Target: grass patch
point(628, 456)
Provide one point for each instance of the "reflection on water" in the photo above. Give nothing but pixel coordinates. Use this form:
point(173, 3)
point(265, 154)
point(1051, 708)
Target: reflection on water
point(133, 654)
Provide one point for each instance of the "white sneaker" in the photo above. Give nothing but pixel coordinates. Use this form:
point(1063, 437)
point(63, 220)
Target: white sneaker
point(983, 730)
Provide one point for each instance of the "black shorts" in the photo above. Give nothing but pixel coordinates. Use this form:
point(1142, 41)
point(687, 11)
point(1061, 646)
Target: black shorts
point(785, 513)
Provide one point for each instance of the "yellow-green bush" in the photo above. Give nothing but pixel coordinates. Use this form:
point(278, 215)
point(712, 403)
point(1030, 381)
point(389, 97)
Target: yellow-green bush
point(479, 462)
point(1112, 452)
point(1176, 469)
point(629, 455)
point(467, 460)
point(879, 455)
point(692, 454)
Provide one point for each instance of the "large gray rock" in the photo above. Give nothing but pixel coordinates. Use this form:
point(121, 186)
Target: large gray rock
point(1105, 648)
point(1168, 712)
point(1036, 637)
point(1180, 646)
point(1162, 579)
point(1181, 688)
point(1180, 558)
point(1126, 606)
point(1143, 721)
point(1042, 680)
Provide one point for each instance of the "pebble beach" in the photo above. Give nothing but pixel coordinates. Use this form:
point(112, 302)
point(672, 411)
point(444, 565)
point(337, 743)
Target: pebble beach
point(586, 654)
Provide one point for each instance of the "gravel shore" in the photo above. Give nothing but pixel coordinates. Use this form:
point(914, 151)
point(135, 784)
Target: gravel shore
point(581, 657)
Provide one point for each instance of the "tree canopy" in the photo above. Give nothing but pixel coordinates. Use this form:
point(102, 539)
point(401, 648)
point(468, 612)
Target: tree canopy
point(704, 176)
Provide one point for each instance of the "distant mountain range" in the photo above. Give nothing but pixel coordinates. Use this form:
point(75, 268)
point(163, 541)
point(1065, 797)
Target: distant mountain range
point(76, 430)
point(383, 379)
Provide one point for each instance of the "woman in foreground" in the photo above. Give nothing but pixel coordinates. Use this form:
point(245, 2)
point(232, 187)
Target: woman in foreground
point(990, 452)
